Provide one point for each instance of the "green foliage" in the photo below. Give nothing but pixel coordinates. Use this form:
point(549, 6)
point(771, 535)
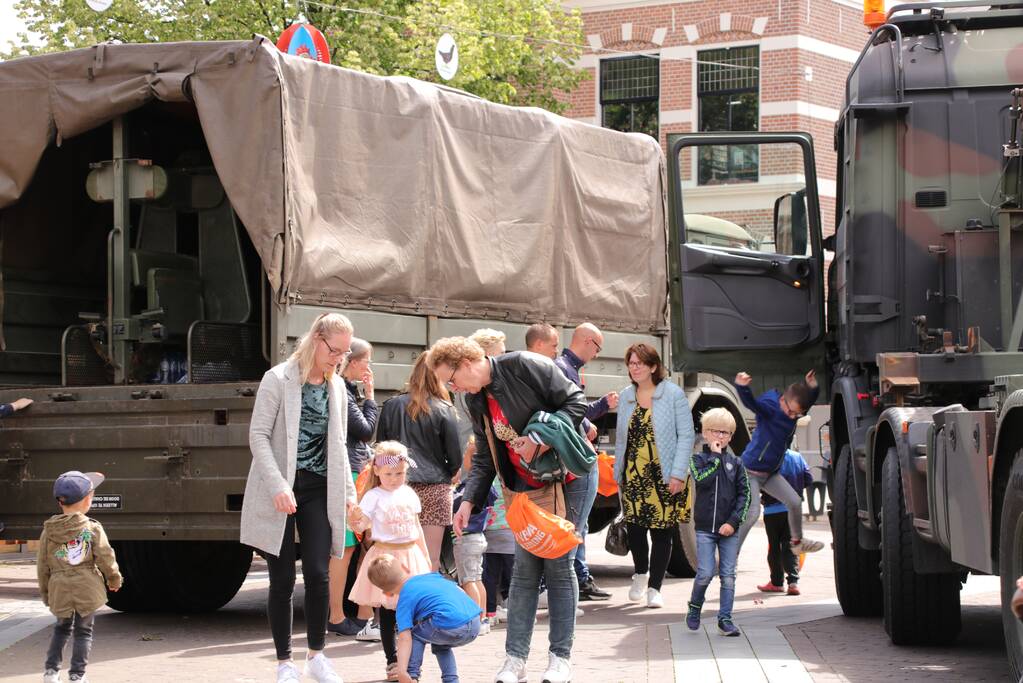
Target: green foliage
point(510, 51)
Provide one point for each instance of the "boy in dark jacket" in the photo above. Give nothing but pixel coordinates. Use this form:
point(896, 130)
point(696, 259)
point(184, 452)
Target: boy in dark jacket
point(784, 564)
point(721, 505)
point(777, 414)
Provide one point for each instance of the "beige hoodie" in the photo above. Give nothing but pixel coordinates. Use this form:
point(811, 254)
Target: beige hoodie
point(74, 557)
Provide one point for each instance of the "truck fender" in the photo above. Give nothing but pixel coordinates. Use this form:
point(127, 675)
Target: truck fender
point(1008, 441)
point(704, 398)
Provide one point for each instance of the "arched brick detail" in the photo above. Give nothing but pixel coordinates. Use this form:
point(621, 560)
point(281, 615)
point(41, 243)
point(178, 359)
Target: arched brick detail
point(641, 34)
point(710, 29)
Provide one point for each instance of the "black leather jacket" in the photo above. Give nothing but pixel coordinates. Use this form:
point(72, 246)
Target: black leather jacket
point(432, 439)
point(362, 420)
point(522, 383)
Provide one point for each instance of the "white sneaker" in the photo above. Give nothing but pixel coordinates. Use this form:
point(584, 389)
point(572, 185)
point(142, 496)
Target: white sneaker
point(558, 670)
point(653, 598)
point(807, 545)
point(51, 676)
point(484, 627)
point(513, 671)
point(542, 602)
point(370, 632)
point(638, 588)
point(320, 668)
point(501, 615)
point(578, 613)
point(287, 672)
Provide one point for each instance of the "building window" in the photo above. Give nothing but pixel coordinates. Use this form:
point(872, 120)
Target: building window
point(629, 91)
point(728, 91)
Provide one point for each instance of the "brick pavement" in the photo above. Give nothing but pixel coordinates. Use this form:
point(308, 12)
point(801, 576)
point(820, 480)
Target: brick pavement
point(616, 642)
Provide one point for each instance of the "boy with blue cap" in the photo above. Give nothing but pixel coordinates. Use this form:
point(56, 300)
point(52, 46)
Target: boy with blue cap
point(74, 559)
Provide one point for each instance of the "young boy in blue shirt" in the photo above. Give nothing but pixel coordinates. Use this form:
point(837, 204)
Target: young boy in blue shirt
point(784, 563)
point(430, 609)
point(777, 414)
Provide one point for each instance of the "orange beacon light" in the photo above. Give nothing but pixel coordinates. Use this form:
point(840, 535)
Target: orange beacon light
point(873, 13)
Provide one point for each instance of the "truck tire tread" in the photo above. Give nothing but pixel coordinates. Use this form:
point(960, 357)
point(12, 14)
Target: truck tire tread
point(857, 571)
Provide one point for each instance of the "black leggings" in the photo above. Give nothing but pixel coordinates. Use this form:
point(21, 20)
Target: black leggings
point(497, 571)
point(783, 562)
point(652, 560)
point(314, 529)
point(388, 633)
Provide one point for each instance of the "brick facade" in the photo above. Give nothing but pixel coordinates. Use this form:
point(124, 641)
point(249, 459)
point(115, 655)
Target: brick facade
point(806, 50)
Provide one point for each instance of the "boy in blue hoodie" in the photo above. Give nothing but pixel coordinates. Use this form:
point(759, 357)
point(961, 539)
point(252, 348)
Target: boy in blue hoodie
point(777, 414)
point(720, 507)
point(783, 562)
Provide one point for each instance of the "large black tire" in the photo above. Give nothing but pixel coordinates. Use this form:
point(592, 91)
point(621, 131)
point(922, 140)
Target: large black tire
point(179, 576)
point(919, 609)
point(1010, 562)
point(857, 571)
point(682, 564)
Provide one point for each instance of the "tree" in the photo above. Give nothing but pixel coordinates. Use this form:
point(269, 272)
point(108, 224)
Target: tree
point(510, 51)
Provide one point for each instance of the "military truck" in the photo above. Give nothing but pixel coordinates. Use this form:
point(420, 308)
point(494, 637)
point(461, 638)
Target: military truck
point(174, 216)
point(921, 343)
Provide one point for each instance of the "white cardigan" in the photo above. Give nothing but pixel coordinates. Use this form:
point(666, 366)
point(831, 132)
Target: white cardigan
point(273, 440)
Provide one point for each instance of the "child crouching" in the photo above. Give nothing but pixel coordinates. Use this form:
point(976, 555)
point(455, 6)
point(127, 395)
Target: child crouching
point(722, 502)
point(430, 609)
point(74, 558)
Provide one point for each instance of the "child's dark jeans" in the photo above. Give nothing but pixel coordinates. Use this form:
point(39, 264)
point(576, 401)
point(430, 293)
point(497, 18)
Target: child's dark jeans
point(81, 627)
point(783, 562)
point(441, 641)
point(726, 548)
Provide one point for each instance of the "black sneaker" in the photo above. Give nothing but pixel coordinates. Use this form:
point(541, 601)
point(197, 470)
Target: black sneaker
point(348, 627)
point(727, 628)
point(589, 590)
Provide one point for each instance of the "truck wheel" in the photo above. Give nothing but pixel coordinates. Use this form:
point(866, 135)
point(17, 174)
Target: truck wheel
point(682, 564)
point(179, 576)
point(1010, 562)
point(857, 571)
point(919, 609)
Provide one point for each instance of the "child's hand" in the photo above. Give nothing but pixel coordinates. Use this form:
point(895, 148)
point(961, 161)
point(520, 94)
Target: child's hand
point(743, 379)
point(811, 379)
point(21, 404)
point(726, 530)
point(113, 589)
point(675, 485)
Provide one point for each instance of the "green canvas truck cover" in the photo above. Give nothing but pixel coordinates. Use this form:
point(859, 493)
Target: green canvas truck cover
point(382, 193)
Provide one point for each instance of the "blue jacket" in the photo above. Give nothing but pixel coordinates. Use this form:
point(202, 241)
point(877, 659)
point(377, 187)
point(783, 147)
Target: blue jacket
point(797, 473)
point(674, 434)
point(570, 364)
point(722, 490)
point(774, 431)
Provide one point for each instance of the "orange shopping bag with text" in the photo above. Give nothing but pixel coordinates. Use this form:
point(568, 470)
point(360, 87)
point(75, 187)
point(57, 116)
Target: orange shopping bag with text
point(538, 531)
point(606, 484)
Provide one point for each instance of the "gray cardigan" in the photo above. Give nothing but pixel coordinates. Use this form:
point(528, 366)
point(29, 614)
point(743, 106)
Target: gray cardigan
point(273, 440)
point(674, 433)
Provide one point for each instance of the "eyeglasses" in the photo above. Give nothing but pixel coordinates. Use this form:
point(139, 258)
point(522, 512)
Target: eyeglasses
point(720, 432)
point(450, 384)
point(334, 353)
point(594, 341)
point(788, 408)
point(635, 363)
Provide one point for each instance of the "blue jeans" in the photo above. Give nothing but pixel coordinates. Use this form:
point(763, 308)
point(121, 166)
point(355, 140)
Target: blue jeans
point(441, 641)
point(582, 571)
point(727, 549)
point(562, 585)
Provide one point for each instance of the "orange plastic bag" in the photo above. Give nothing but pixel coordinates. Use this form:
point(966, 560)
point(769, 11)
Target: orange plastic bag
point(606, 484)
point(362, 481)
point(538, 531)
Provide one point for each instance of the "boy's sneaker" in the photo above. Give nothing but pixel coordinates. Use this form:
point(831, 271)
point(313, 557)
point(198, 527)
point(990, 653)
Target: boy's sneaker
point(589, 590)
point(728, 628)
point(320, 668)
point(653, 598)
point(513, 671)
point(559, 670)
point(638, 588)
point(369, 633)
point(484, 626)
point(770, 588)
point(51, 676)
point(793, 589)
point(693, 617)
point(806, 545)
point(287, 672)
point(347, 627)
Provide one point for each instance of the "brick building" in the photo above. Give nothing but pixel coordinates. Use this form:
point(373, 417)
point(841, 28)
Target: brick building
point(665, 67)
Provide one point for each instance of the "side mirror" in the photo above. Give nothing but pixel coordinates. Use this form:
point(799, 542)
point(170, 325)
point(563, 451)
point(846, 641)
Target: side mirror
point(791, 232)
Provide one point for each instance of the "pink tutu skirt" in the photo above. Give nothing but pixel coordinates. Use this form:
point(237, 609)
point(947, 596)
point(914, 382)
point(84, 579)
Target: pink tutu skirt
point(365, 593)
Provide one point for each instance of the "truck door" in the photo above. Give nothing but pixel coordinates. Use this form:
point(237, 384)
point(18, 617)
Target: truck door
point(754, 305)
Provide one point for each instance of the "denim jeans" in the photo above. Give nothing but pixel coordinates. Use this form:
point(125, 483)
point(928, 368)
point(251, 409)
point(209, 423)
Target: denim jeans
point(441, 641)
point(562, 585)
point(80, 648)
point(727, 549)
point(582, 571)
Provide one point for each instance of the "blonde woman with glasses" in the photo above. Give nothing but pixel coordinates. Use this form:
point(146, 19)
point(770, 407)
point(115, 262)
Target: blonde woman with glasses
point(300, 478)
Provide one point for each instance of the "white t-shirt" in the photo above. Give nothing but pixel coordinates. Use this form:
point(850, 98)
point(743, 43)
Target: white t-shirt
point(395, 514)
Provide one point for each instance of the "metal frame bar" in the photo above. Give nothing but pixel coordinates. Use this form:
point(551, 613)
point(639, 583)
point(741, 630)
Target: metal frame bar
point(920, 6)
